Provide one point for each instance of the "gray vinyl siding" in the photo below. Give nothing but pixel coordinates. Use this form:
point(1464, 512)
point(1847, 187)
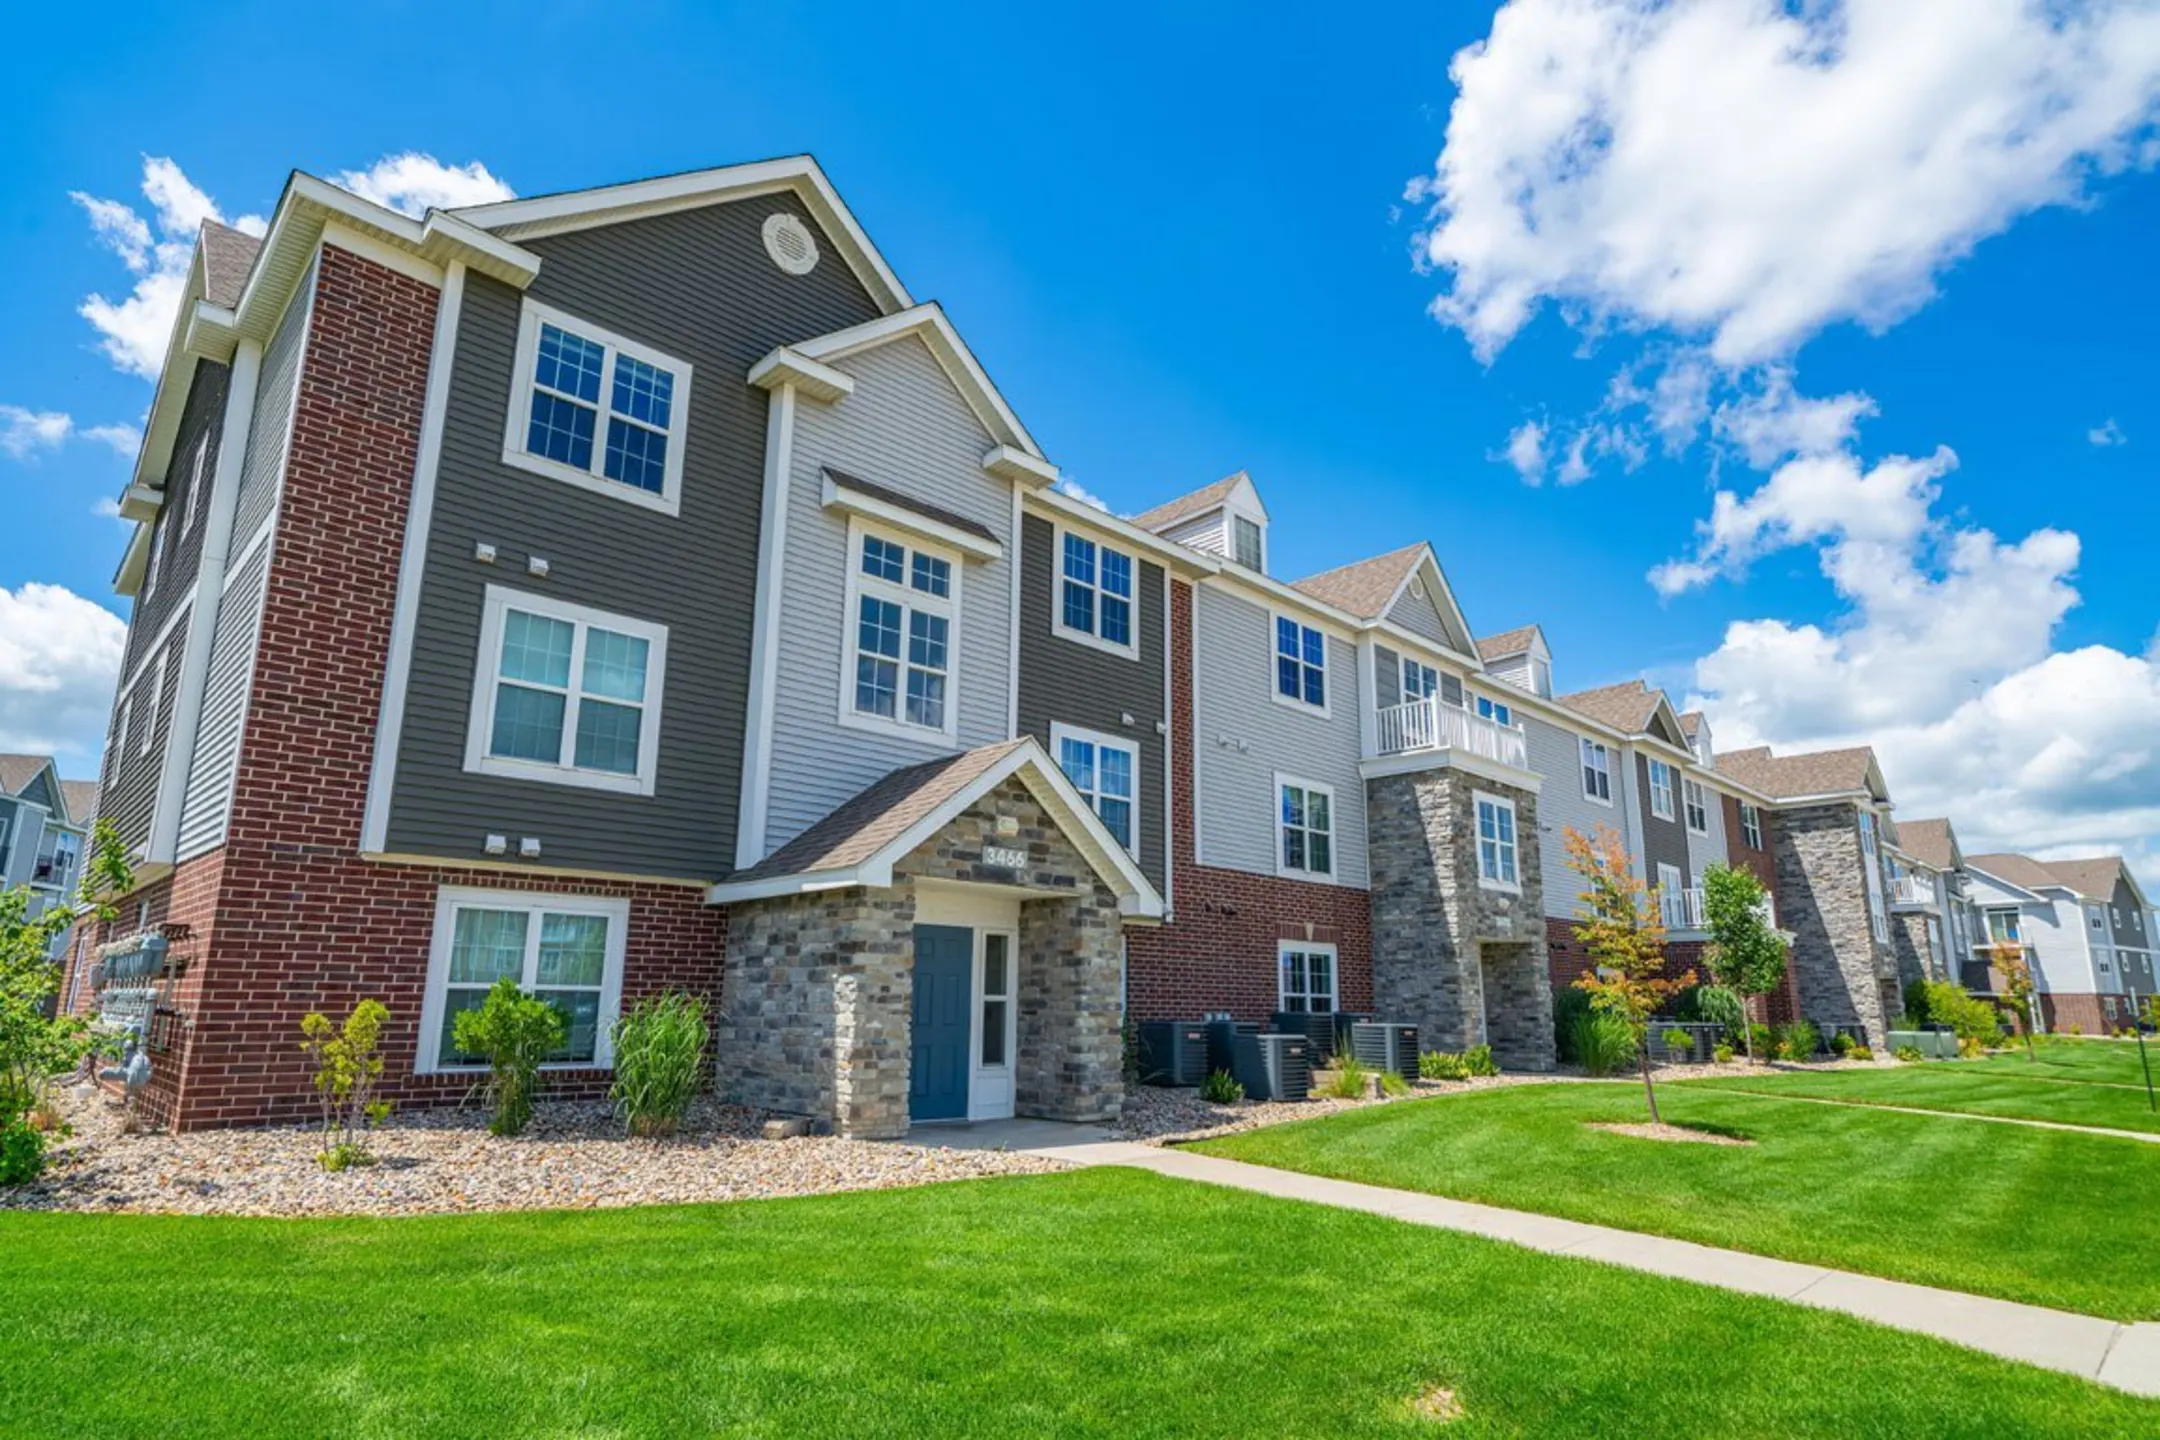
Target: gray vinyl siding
point(905, 428)
point(1233, 698)
point(208, 796)
point(696, 285)
point(2126, 918)
point(262, 469)
point(1706, 850)
point(1556, 757)
point(1209, 533)
point(20, 829)
point(180, 548)
point(40, 791)
point(1418, 615)
point(1387, 680)
point(131, 776)
point(1064, 682)
point(1664, 842)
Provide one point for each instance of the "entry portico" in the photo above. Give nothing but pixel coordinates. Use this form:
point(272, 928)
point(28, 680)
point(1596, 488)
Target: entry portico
point(947, 945)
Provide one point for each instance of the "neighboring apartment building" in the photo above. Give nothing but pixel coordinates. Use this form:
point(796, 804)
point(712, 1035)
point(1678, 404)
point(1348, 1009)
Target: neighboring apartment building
point(44, 828)
point(2086, 930)
point(1934, 921)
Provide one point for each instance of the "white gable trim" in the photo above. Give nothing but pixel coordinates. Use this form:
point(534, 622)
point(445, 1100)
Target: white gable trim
point(936, 331)
point(1442, 595)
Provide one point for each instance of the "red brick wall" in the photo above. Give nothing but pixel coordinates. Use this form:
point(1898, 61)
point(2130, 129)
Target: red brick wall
point(2087, 1012)
point(1567, 962)
point(300, 922)
point(1219, 950)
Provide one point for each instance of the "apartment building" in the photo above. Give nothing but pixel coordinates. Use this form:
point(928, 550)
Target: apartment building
point(44, 827)
point(1933, 920)
point(2086, 930)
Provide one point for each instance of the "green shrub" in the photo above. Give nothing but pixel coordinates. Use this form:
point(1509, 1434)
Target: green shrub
point(1679, 1042)
point(659, 1060)
point(1908, 1054)
point(1442, 1065)
point(22, 1152)
point(1860, 1052)
point(1478, 1060)
point(1220, 1089)
point(1604, 1045)
point(514, 1032)
point(1799, 1040)
point(1685, 1005)
point(1394, 1085)
point(1949, 1004)
point(1348, 1080)
point(1568, 1007)
point(1721, 1006)
point(1842, 1044)
point(1916, 1005)
point(1722, 1053)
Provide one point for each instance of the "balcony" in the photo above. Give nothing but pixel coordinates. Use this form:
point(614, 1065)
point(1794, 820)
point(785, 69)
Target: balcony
point(1428, 724)
point(1684, 910)
point(1912, 890)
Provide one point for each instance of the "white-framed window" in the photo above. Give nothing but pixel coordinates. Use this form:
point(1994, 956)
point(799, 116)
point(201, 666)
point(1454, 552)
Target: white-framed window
point(1497, 711)
point(150, 712)
point(565, 949)
point(120, 727)
point(1596, 771)
point(1300, 664)
point(1697, 801)
point(1308, 977)
point(1670, 882)
point(995, 1025)
point(1095, 594)
point(1751, 825)
point(1540, 678)
point(903, 618)
point(1496, 842)
point(2002, 927)
point(196, 476)
point(1107, 771)
point(1419, 680)
point(1247, 545)
point(1661, 790)
point(597, 410)
point(2098, 921)
point(1305, 829)
point(157, 554)
point(1871, 862)
point(567, 694)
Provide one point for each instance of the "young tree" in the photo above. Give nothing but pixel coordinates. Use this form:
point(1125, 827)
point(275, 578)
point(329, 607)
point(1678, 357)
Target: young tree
point(2008, 960)
point(1744, 954)
point(1624, 932)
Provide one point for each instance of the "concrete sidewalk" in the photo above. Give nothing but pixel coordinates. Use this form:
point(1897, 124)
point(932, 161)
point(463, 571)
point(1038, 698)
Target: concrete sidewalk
point(2126, 1357)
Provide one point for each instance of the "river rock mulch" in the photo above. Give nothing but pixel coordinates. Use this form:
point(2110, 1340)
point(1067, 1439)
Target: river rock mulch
point(443, 1161)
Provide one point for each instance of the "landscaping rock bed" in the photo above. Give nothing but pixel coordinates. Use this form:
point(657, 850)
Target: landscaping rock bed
point(574, 1156)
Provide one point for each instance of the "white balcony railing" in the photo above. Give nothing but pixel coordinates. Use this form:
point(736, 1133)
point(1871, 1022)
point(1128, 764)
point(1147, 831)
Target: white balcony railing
point(1430, 724)
point(1683, 910)
point(1912, 890)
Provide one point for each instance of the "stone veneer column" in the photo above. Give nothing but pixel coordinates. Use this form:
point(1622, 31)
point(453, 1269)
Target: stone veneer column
point(1464, 963)
point(1838, 969)
point(1069, 1052)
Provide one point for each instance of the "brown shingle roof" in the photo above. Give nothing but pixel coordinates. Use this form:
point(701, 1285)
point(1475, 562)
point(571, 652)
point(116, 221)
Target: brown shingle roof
point(1627, 706)
point(1817, 772)
point(1506, 643)
point(2093, 876)
point(1928, 841)
point(1205, 498)
point(1690, 723)
point(82, 798)
point(908, 502)
point(879, 815)
point(2020, 870)
point(17, 771)
point(228, 256)
point(1363, 587)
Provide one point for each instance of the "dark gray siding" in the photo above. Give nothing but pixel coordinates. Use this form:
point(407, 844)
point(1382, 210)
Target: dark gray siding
point(2126, 917)
point(1062, 681)
point(180, 547)
point(697, 285)
point(130, 779)
point(1664, 841)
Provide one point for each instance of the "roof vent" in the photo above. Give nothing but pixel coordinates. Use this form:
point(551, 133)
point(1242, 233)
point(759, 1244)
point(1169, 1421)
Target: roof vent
point(792, 247)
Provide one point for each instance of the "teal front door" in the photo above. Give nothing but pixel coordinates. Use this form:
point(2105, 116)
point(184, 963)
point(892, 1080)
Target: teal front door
point(938, 1057)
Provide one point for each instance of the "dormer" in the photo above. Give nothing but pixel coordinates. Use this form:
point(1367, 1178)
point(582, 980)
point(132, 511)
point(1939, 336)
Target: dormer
point(1225, 518)
point(1697, 726)
point(1520, 658)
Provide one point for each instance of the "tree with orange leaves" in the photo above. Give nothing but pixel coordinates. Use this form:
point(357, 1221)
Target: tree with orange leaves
point(1624, 932)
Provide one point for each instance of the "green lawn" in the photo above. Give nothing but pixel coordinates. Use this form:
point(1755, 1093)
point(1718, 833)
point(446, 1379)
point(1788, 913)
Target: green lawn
point(1096, 1303)
point(2108, 1062)
point(2042, 1216)
point(1963, 1085)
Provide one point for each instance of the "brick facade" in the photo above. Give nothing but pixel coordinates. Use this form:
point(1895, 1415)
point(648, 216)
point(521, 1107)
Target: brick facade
point(1218, 950)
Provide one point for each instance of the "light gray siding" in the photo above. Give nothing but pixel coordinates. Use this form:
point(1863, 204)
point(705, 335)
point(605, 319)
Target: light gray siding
point(262, 470)
point(225, 689)
point(696, 285)
point(1711, 849)
point(1209, 533)
point(1556, 756)
point(905, 428)
point(1064, 682)
point(1417, 614)
point(1233, 702)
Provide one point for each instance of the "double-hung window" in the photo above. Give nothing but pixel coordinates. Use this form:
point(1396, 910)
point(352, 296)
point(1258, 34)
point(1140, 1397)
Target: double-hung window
point(564, 949)
point(1308, 978)
point(567, 694)
point(1698, 806)
point(1496, 844)
point(902, 605)
point(1305, 829)
point(1751, 825)
point(1661, 790)
point(1419, 680)
point(196, 477)
point(597, 410)
point(157, 694)
point(1596, 771)
point(1107, 771)
point(1095, 594)
point(157, 553)
point(1300, 664)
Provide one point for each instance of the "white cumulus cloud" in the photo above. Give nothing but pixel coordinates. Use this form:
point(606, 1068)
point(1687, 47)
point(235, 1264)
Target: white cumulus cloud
point(1068, 486)
point(25, 432)
point(2108, 435)
point(416, 183)
point(59, 661)
point(1748, 172)
point(1525, 451)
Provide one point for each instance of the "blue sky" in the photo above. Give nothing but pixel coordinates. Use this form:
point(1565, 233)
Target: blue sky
point(1181, 244)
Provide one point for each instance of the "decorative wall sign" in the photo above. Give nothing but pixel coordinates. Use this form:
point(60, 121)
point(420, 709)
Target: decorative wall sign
point(1004, 857)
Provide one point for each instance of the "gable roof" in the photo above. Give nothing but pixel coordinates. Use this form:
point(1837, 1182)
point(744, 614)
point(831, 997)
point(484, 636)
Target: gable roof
point(19, 772)
point(2093, 877)
point(1690, 723)
point(2020, 870)
point(1199, 502)
point(228, 255)
point(1930, 841)
point(82, 798)
point(1520, 640)
point(859, 842)
point(1365, 588)
point(1630, 706)
point(1814, 772)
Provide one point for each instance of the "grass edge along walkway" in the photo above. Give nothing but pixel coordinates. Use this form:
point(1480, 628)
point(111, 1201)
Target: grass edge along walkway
point(1931, 1112)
